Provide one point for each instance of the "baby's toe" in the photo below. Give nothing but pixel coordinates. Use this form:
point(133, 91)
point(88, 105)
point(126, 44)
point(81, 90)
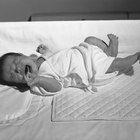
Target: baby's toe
point(112, 36)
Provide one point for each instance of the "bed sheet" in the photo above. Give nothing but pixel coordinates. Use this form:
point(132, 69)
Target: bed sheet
point(41, 127)
point(25, 37)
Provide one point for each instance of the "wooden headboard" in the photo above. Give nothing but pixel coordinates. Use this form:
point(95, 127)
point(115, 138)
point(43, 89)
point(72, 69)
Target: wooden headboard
point(84, 16)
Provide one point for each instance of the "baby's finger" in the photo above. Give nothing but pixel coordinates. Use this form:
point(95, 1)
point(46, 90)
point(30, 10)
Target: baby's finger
point(39, 47)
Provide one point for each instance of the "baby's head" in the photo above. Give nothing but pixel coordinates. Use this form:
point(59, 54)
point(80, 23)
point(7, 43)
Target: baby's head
point(14, 67)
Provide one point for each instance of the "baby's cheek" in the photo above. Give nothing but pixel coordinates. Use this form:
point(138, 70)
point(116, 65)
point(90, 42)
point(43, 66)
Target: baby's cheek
point(20, 78)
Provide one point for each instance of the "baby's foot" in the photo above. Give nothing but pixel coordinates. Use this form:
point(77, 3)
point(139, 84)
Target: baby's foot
point(113, 38)
point(113, 45)
point(42, 49)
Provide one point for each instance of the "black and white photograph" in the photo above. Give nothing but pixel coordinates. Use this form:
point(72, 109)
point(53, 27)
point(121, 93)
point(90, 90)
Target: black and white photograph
point(69, 70)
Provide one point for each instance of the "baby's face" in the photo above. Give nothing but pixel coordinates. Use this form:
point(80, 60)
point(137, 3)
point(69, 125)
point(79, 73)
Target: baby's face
point(16, 68)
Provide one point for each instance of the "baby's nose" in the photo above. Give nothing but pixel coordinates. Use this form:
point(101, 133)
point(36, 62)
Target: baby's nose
point(19, 70)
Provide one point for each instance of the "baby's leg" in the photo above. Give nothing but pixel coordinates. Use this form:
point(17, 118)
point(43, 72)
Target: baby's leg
point(112, 49)
point(124, 65)
point(97, 42)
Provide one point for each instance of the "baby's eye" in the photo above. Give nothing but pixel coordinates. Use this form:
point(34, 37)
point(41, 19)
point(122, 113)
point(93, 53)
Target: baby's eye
point(12, 77)
point(16, 77)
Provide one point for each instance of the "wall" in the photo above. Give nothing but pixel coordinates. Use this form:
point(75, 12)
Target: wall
point(20, 10)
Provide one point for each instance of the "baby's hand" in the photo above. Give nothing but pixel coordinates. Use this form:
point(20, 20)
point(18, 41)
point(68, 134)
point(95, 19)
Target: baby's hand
point(42, 49)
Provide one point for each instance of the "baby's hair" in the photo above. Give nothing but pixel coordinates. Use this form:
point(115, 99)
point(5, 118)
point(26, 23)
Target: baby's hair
point(20, 86)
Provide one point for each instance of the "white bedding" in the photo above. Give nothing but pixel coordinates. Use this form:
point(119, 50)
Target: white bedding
point(25, 37)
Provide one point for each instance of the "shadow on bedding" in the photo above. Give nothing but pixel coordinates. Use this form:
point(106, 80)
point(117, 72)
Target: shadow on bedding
point(20, 87)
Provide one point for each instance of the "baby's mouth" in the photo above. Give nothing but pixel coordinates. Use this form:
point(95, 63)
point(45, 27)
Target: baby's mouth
point(28, 69)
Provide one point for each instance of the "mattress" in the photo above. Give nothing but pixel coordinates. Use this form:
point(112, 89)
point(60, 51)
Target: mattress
point(28, 116)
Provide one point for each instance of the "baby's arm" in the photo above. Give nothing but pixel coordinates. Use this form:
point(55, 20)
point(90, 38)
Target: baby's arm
point(48, 84)
point(123, 64)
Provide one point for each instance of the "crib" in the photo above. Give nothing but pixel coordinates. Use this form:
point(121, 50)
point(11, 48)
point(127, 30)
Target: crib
point(112, 113)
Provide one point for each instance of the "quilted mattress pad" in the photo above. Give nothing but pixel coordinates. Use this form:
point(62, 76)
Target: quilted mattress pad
point(119, 100)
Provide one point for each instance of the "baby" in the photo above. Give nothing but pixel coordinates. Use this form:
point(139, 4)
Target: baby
point(88, 64)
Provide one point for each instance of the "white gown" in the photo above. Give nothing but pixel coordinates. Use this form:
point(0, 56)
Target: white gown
point(83, 66)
